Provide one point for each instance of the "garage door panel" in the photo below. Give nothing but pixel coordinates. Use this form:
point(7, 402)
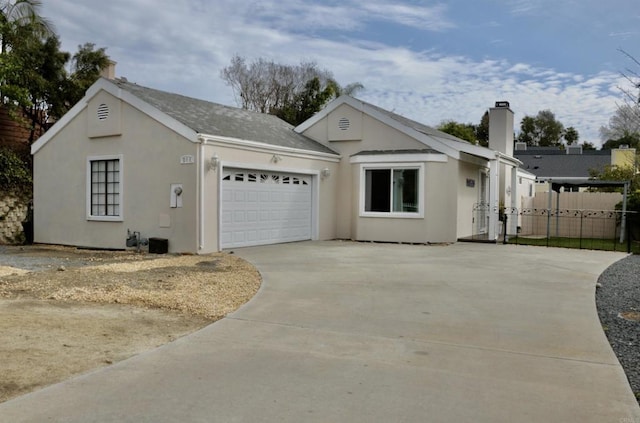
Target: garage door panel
point(252, 216)
point(267, 208)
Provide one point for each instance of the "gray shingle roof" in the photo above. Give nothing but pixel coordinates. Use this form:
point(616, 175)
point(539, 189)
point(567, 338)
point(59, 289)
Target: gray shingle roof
point(417, 126)
point(562, 165)
point(209, 118)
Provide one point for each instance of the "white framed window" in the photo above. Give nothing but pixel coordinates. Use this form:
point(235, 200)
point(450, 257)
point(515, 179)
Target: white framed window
point(392, 190)
point(104, 188)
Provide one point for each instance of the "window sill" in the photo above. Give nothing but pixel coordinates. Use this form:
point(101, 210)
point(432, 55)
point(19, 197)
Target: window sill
point(105, 218)
point(393, 215)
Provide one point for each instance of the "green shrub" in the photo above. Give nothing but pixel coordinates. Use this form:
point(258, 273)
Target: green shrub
point(633, 202)
point(15, 172)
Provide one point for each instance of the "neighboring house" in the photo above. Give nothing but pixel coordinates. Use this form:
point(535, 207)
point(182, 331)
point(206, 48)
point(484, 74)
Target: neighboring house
point(208, 177)
point(571, 165)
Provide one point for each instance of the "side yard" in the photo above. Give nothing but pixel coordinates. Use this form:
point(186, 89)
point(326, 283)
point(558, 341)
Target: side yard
point(65, 311)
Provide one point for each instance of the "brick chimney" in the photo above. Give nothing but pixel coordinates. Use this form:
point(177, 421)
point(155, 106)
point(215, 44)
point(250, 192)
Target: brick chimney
point(501, 128)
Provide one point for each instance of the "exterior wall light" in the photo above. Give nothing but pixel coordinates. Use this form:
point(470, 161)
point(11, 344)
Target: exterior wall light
point(325, 173)
point(215, 161)
point(276, 158)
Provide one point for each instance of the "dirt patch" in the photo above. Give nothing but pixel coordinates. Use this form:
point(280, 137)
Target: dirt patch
point(633, 316)
point(80, 309)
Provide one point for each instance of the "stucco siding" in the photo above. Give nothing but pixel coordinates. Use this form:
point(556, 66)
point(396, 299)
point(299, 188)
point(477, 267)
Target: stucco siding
point(375, 136)
point(150, 163)
point(323, 188)
point(438, 225)
point(440, 202)
point(468, 197)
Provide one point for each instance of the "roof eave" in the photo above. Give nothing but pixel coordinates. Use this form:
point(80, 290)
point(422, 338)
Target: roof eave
point(103, 84)
point(445, 146)
point(265, 147)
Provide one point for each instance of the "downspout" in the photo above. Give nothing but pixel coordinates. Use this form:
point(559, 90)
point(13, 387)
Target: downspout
point(200, 188)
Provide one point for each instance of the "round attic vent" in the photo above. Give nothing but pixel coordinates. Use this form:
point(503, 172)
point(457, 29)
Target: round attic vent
point(344, 124)
point(103, 112)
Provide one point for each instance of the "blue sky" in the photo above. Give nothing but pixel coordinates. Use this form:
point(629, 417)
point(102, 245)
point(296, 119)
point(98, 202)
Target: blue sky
point(430, 61)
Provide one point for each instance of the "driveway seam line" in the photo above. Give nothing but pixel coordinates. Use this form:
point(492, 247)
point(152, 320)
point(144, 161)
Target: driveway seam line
point(470, 347)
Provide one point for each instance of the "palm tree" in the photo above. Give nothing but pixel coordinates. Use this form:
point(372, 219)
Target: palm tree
point(22, 13)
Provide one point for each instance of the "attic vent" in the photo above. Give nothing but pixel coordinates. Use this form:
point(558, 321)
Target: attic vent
point(344, 124)
point(103, 112)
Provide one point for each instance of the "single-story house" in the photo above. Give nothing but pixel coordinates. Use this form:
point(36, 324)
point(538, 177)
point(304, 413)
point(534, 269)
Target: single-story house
point(208, 177)
point(571, 164)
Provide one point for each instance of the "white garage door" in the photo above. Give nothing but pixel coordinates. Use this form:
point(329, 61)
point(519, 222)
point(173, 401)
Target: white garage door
point(261, 207)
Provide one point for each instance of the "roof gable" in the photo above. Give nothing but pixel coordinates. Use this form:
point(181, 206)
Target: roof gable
point(191, 117)
point(209, 118)
point(430, 137)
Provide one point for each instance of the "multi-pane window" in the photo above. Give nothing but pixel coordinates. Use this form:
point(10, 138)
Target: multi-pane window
point(105, 187)
point(391, 190)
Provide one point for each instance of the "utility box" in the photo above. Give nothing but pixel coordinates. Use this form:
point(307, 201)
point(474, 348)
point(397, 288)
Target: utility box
point(158, 245)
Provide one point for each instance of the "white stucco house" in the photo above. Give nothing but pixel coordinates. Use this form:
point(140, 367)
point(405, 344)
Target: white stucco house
point(208, 177)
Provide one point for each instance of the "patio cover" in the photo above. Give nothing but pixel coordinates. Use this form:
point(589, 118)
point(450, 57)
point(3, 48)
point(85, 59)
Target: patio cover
point(556, 184)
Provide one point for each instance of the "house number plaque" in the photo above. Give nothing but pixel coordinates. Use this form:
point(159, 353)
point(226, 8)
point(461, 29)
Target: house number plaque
point(187, 159)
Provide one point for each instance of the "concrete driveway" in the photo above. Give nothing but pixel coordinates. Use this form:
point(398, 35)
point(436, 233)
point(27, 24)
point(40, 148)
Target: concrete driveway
point(349, 332)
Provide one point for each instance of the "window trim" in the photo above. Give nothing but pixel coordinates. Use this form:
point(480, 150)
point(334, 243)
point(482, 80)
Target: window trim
point(391, 166)
point(91, 217)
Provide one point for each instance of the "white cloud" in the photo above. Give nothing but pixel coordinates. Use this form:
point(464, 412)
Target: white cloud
point(425, 18)
point(182, 47)
point(522, 7)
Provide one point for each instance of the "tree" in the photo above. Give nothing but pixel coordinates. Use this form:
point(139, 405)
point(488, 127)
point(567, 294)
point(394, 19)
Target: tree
point(617, 173)
point(19, 13)
point(542, 130)
point(268, 87)
point(86, 65)
point(33, 78)
point(586, 145)
point(571, 135)
point(465, 131)
point(623, 127)
point(349, 89)
point(632, 95)
point(15, 172)
point(631, 140)
point(482, 130)
point(35, 86)
point(306, 103)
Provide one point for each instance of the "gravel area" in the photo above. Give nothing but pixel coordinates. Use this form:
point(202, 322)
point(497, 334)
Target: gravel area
point(618, 302)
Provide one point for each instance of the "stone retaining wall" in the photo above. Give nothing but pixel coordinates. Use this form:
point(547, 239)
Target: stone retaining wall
point(13, 211)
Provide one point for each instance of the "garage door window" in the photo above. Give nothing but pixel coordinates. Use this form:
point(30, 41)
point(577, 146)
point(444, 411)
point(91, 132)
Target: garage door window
point(265, 178)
